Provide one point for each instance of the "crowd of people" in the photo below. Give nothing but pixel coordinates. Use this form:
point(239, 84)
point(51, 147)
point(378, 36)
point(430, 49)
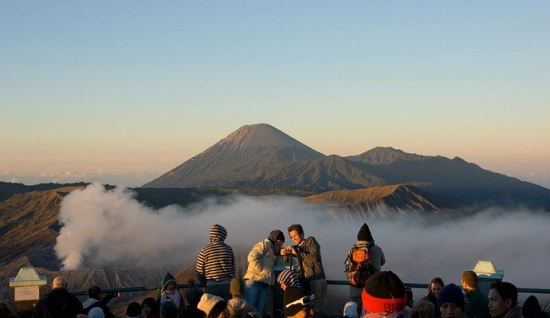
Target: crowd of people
point(290, 282)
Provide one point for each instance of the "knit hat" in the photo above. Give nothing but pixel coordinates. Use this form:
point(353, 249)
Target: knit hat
point(133, 310)
point(168, 309)
point(451, 294)
point(384, 292)
point(350, 309)
point(193, 296)
point(276, 235)
point(289, 278)
point(208, 302)
point(236, 287)
point(97, 312)
point(291, 295)
point(364, 233)
point(218, 233)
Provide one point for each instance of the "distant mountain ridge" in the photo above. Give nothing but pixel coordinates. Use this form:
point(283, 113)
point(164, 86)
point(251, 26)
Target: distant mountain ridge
point(261, 156)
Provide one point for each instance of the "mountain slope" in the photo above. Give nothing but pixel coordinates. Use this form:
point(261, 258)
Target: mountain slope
point(246, 150)
point(450, 177)
point(382, 202)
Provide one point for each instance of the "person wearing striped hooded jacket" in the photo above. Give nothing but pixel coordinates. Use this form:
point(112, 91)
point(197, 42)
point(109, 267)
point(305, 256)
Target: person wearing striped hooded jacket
point(216, 264)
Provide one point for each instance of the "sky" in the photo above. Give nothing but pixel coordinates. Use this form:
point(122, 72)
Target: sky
point(121, 92)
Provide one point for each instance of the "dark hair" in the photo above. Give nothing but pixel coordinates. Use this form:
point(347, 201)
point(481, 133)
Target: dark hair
point(94, 292)
point(470, 278)
point(436, 280)
point(218, 308)
point(506, 290)
point(191, 313)
point(151, 302)
point(6, 311)
point(296, 227)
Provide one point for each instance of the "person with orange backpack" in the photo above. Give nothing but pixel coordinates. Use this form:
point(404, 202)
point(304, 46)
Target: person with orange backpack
point(364, 259)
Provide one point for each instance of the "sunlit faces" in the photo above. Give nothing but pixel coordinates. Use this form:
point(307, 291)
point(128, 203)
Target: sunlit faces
point(170, 286)
point(450, 310)
point(296, 237)
point(498, 307)
point(436, 289)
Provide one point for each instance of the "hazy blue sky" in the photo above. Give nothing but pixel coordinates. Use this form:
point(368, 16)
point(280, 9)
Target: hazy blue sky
point(99, 87)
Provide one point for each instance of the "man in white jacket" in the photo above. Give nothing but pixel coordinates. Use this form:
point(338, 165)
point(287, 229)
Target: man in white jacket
point(259, 274)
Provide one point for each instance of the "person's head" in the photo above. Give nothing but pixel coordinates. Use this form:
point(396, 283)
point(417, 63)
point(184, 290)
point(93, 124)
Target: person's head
point(96, 312)
point(191, 313)
point(288, 278)
point(218, 233)
point(298, 303)
point(149, 305)
point(59, 282)
point(435, 287)
point(296, 233)
point(168, 309)
point(193, 296)
point(531, 307)
point(424, 309)
point(95, 292)
point(213, 306)
point(384, 292)
point(409, 292)
point(451, 302)
point(236, 288)
point(278, 239)
point(469, 280)
point(364, 234)
point(503, 296)
point(133, 310)
point(350, 310)
point(169, 282)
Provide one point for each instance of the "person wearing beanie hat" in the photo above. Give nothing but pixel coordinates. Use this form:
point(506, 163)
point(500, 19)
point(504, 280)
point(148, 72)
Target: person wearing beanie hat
point(298, 303)
point(259, 274)
point(133, 310)
point(96, 312)
point(311, 271)
point(350, 309)
point(238, 306)
point(171, 292)
point(216, 278)
point(213, 306)
point(451, 302)
point(384, 293)
point(365, 241)
point(168, 310)
point(288, 278)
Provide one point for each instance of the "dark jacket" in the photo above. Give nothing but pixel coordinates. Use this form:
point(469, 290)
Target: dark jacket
point(310, 255)
point(431, 298)
point(60, 303)
point(476, 304)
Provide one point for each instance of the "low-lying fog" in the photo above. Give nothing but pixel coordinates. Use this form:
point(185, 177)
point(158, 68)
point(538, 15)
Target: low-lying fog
point(110, 228)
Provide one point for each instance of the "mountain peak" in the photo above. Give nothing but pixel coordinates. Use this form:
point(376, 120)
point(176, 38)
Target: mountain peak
point(258, 136)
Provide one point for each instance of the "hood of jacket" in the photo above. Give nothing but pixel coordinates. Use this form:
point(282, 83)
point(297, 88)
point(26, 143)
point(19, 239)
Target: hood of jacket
point(218, 233)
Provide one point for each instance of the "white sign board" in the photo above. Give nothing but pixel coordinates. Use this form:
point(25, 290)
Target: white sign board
point(23, 293)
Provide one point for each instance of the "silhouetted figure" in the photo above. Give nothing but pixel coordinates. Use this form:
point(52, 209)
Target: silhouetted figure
point(531, 308)
point(96, 299)
point(59, 303)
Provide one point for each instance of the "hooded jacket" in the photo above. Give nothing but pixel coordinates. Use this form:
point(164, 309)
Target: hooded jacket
point(260, 263)
point(216, 260)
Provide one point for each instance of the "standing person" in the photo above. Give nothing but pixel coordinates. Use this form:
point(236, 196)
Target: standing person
point(216, 264)
point(96, 299)
point(59, 302)
point(531, 308)
point(503, 301)
point(434, 288)
point(171, 292)
point(476, 301)
point(372, 263)
point(451, 302)
point(259, 275)
point(311, 265)
point(384, 296)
